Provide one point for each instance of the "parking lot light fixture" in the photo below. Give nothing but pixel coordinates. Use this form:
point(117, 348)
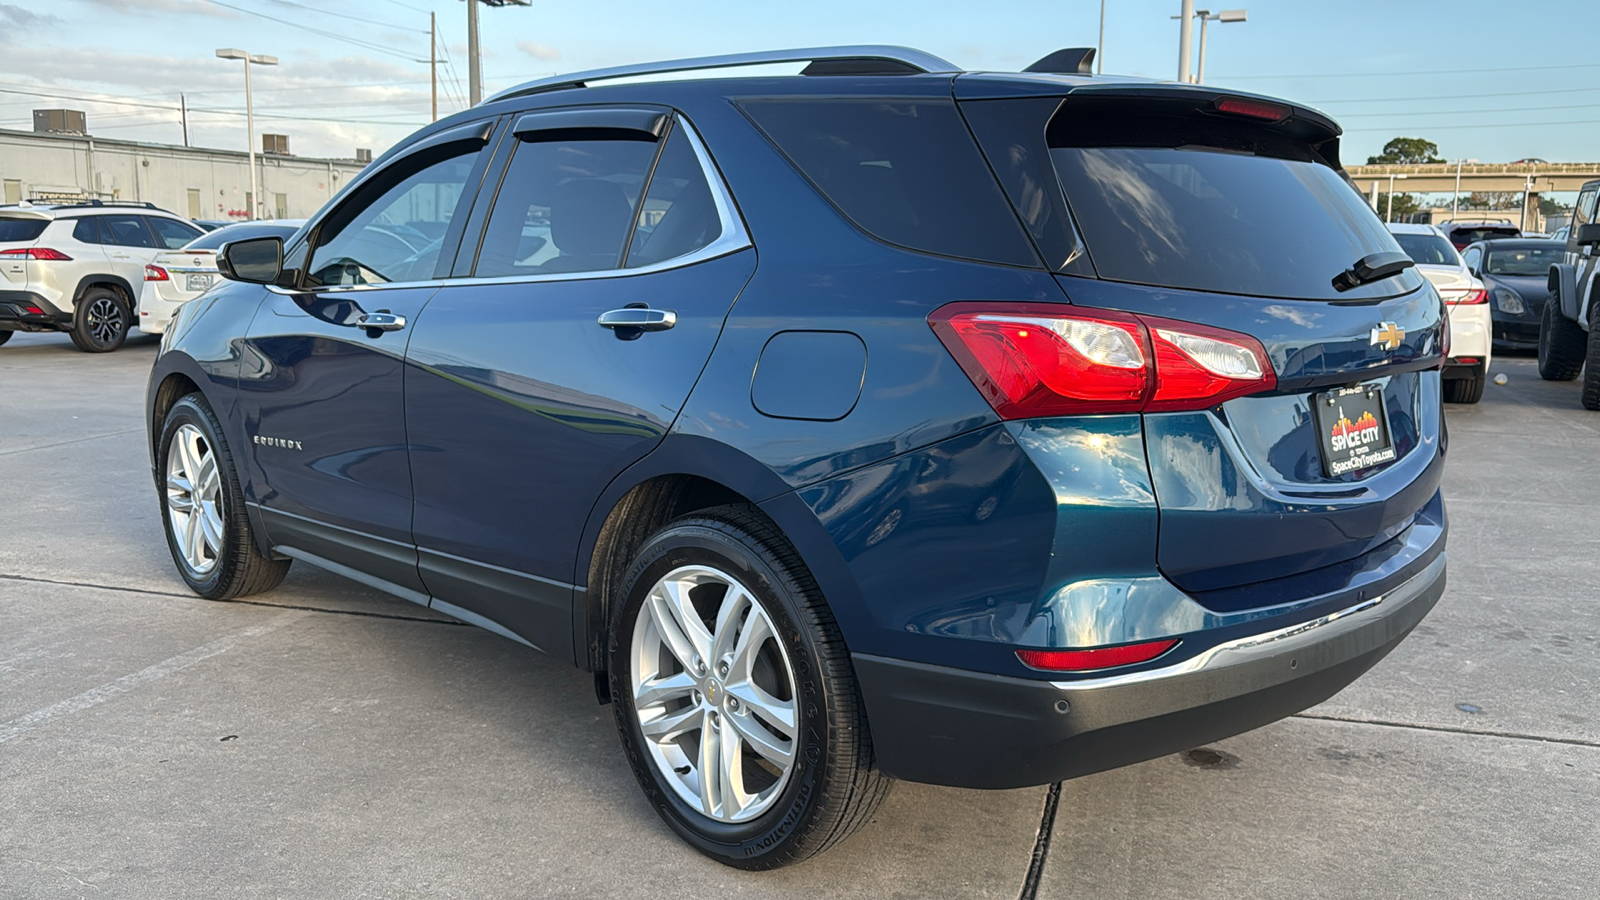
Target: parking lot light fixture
point(1225, 16)
point(250, 117)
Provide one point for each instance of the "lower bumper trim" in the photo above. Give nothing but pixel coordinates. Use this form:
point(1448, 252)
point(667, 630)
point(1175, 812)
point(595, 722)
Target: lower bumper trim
point(968, 729)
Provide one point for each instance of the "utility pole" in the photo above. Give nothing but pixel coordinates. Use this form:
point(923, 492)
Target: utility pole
point(1455, 199)
point(1185, 38)
point(183, 110)
point(433, 62)
point(250, 118)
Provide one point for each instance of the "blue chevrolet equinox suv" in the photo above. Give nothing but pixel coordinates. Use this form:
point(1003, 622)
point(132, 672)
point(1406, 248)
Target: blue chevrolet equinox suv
point(880, 421)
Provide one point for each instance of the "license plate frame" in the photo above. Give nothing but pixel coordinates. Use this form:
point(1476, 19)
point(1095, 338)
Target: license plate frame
point(1353, 429)
point(197, 282)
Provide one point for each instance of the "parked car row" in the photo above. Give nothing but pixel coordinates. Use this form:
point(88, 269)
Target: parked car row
point(98, 269)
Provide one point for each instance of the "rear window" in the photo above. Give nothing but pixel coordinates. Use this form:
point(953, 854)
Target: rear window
point(1428, 249)
point(12, 230)
point(1522, 260)
point(1197, 202)
point(213, 240)
point(1464, 236)
point(905, 171)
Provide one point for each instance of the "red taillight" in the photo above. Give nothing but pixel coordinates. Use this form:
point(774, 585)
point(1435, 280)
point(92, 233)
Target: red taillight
point(33, 310)
point(1478, 296)
point(156, 273)
point(44, 253)
point(1098, 658)
point(1255, 109)
point(1031, 359)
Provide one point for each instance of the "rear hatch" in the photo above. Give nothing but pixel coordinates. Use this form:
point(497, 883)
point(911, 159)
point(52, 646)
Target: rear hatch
point(19, 231)
point(1233, 214)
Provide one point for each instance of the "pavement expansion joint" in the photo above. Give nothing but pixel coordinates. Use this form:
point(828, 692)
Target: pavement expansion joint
point(182, 596)
point(1450, 729)
point(1041, 844)
point(82, 440)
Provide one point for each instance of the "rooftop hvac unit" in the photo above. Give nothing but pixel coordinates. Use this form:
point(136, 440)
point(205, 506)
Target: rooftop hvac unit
point(275, 143)
point(59, 121)
point(363, 154)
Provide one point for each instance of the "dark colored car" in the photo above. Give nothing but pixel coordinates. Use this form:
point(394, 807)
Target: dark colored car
point(1516, 273)
point(883, 421)
point(1463, 233)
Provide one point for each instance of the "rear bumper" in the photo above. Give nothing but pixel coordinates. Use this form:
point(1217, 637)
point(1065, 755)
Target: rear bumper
point(16, 313)
point(955, 727)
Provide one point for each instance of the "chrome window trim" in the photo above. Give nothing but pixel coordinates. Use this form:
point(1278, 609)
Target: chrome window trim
point(732, 239)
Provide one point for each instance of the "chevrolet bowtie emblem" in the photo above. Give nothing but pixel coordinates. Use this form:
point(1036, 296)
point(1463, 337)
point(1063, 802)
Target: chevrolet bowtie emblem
point(1388, 335)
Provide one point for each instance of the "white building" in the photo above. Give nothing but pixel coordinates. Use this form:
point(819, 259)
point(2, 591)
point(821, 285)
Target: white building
point(190, 181)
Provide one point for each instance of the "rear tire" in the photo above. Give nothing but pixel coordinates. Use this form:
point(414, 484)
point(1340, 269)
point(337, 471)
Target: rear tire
point(1465, 390)
point(1561, 344)
point(800, 773)
point(6, 336)
point(100, 323)
point(202, 508)
point(1591, 369)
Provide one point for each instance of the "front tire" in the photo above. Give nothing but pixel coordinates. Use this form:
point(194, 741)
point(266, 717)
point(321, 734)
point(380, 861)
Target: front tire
point(1591, 369)
point(202, 508)
point(101, 321)
point(734, 694)
point(1561, 343)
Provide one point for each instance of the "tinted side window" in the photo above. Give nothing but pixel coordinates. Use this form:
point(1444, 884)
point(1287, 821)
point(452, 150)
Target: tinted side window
point(126, 231)
point(87, 230)
point(21, 229)
point(564, 206)
point(394, 229)
point(172, 233)
point(905, 171)
point(679, 215)
point(1585, 208)
point(1472, 256)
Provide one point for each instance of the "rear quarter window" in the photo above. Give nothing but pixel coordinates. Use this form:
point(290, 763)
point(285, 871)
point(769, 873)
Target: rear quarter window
point(13, 230)
point(904, 170)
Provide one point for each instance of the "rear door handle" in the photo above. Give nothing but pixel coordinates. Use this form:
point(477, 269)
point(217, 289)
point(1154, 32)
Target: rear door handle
point(639, 318)
point(378, 322)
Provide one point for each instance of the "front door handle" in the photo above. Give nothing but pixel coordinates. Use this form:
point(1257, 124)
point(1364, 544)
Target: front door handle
point(379, 322)
point(639, 318)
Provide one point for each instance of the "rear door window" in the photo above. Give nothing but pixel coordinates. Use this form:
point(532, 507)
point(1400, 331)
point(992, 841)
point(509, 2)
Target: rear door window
point(1190, 202)
point(13, 230)
point(904, 170)
point(87, 231)
point(679, 214)
point(565, 206)
point(126, 231)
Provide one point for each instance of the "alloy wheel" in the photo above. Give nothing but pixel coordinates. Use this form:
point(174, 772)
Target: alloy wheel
point(714, 693)
point(194, 499)
point(104, 320)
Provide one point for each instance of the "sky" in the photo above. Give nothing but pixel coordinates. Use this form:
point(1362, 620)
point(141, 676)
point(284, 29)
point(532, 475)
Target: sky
point(1486, 80)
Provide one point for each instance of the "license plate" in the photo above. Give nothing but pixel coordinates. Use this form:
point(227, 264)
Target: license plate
point(1354, 428)
point(198, 282)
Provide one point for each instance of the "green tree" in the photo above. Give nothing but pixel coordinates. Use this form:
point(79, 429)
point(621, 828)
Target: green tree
point(1549, 207)
point(1404, 205)
point(1406, 151)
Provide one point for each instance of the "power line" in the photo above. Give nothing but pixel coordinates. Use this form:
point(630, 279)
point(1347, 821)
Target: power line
point(1349, 74)
point(1457, 96)
point(360, 19)
point(1454, 112)
point(379, 48)
point(1484, 125)
point(409, 6)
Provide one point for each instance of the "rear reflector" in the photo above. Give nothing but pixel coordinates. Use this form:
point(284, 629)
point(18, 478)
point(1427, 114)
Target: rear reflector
point(33, 310)
point(1038, 359)
point(1098, 658)
point(156, 273)
point(1255, 109)
point(44, 253)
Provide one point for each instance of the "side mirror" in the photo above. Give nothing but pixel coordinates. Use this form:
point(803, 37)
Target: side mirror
point(257, 260)
point(1589, 235)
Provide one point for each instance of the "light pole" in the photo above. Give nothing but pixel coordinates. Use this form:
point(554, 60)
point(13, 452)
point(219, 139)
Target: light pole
point(1226, 16)
point(474, 55)
point(1185, 38)
point(1100, 48)
point(250, 118)
point(1388, 215)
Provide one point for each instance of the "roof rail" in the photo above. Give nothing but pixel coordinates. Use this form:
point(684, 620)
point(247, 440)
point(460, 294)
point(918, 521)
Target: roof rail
point(872, 59)
point(59, 201)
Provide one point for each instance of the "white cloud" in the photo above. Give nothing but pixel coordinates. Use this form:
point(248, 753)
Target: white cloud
point(538, 51)
point(18, 17)
point(199, 7)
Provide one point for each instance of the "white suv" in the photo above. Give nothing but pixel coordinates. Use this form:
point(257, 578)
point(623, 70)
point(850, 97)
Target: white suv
point(78, 267)
point(1467, 302)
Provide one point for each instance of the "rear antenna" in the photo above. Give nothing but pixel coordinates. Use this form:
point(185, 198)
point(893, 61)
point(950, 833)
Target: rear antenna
point(1071, 61)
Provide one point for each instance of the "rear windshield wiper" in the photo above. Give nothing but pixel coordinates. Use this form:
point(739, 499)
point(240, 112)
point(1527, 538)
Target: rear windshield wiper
point(1370, 268)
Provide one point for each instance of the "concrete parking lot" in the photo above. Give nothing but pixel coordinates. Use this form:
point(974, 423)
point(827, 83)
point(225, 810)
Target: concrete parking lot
point(325, 740)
